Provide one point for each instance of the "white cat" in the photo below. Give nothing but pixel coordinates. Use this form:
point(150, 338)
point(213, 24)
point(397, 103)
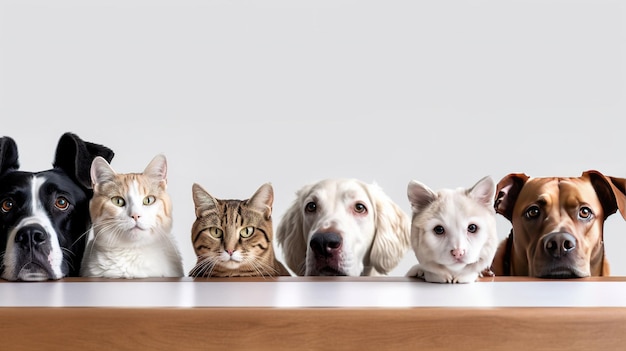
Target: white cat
point(453, 232)
point(132, 221)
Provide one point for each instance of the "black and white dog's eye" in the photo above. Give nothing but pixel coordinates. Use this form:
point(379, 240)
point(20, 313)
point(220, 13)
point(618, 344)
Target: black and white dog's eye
point(311, 207)
point(61, 203)
point(7, 205)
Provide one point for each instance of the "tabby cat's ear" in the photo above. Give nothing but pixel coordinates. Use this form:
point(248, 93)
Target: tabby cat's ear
point(157, 168)
point(202, 200)
point(263, 199)
point(101, 171)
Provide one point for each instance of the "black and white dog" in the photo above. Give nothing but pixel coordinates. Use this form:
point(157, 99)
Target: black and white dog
point(44, 216)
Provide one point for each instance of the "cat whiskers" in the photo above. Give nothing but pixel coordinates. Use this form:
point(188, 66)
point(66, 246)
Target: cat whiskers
point(204, 266)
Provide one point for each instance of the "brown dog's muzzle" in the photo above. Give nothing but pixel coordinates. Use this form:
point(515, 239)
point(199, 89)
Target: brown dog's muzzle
point(559, 257)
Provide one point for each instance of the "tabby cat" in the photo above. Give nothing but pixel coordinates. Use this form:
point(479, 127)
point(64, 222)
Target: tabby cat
point(132, 221)
point(233, 238)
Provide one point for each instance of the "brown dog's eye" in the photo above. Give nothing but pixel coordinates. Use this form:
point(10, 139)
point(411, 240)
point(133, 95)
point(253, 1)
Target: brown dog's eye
point(360, 208)
point(61, 203)
point(532, 212)
point(439, 230)
point(311, 207)
point(7, 205)
point(585, 213)
point(472, 228)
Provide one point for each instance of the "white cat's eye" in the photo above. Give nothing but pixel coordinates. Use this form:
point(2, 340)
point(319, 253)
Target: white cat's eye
point(118, 201)
point(246, 232)
point(472, 228)
point(215, 232)
point(61, 203)
point(149, 200)
point(439, 230)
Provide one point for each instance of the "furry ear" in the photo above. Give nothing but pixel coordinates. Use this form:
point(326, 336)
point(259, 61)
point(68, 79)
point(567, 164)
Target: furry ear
point(101, 171)
point(157, 168)
point(263, 199)
point(8, 155)
point(420, 195)
point(610, 191)
point(391, 240)
point(507, 190)
point(290, 234)
point(483, 191)
point(202, 200)
point(74, 156)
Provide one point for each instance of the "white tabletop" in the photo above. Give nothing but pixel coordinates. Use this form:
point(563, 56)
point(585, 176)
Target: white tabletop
point(324, 293)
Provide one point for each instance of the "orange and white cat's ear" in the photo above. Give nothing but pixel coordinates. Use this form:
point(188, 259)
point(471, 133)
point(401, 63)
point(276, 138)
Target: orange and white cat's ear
point(101, 171)
point(391, 240)
point(263, 199)
point(202, 200)
point(157, 168)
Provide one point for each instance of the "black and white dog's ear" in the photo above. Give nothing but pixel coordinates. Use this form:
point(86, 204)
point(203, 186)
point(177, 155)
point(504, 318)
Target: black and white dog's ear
point(8, 155)
point(74, 156)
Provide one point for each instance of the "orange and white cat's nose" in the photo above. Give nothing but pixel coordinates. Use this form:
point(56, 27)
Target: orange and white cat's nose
point(230, 252)
point(457, 253)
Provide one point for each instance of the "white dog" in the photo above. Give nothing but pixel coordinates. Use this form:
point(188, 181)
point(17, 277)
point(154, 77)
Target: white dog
point(453, 232)
point(343, 227)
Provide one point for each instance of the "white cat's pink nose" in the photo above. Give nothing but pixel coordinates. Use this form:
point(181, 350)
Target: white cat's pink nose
point(457, 253)
point(135, 216)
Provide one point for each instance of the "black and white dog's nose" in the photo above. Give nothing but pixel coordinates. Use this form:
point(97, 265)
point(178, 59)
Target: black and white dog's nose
point(325, 244)
point(31, 236)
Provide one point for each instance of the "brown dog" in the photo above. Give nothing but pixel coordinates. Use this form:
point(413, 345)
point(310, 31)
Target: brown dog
point(557, 224)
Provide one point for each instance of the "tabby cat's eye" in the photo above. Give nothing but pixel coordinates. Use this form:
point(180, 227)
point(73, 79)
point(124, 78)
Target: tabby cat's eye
point(118, 201)
point(61, 203)
point(215, 232)
point(246, 232)
point(149, 200)
point(7, 205)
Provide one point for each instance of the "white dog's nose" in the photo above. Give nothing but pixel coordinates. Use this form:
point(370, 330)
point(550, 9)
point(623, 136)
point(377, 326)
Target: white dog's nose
point(458, 253)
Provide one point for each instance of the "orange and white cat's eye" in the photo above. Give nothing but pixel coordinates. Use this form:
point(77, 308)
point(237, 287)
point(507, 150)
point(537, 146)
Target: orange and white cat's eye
point(118, 201)
point(149, 200)
point(61, 203)
point(246, 232)
point(215, 232)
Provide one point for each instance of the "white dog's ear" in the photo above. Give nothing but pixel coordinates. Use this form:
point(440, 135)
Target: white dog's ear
point(290, 235)
point(391, 240)
point(483, 191)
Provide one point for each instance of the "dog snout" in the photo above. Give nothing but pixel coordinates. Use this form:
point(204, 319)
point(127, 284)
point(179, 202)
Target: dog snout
point(559, 244)
point(31, 236)
point(457, 253)
point(326, 244)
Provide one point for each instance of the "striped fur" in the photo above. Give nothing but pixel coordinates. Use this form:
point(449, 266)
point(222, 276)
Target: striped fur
point(233, 238)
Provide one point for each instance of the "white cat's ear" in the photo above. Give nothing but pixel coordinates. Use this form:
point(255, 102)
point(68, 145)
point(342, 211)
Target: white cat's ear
point(263, 199)
point(101, 171)
point(157, 168)
point(202, 200)
point(483, 191)
point(420, 196)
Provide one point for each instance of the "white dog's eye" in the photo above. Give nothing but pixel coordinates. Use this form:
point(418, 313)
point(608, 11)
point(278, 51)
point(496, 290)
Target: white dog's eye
point(246, 232)
point(360, 208)
point(439, 230)
point(311, 207)
point(585, 213)
point(472, 228)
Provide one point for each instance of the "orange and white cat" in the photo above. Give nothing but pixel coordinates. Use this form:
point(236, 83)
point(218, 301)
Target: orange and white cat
point(132, 222)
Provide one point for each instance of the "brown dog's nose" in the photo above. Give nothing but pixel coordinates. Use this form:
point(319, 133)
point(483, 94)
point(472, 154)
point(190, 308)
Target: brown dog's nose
point(559, 244)
point(325, 244)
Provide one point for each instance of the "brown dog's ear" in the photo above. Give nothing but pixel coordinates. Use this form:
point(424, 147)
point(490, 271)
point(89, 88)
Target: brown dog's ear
point(611, 192)
point(507, 190)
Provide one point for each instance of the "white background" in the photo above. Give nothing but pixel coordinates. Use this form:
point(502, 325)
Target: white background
point(238, 93)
